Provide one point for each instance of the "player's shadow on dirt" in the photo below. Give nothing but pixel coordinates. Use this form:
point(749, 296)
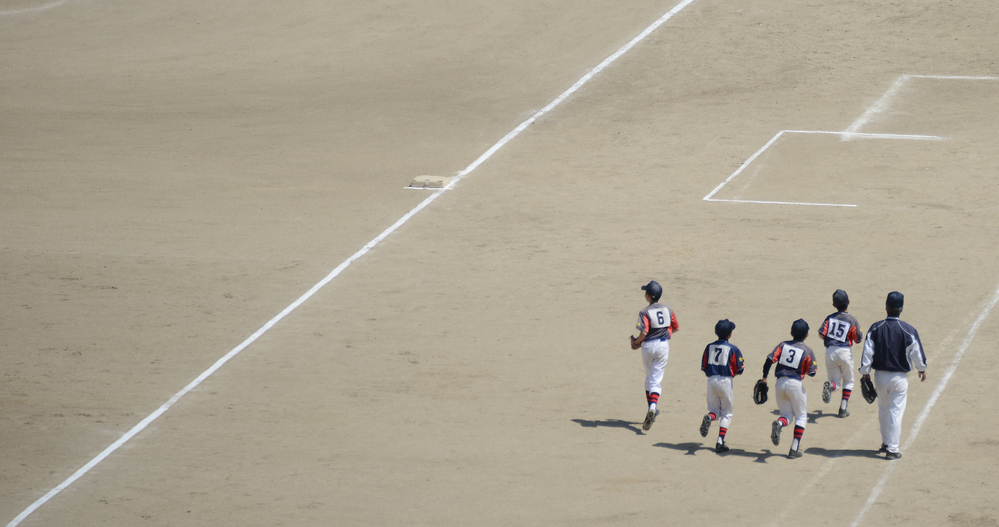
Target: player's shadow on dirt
point(691, 449)
point(813, 417)
point(610, 423)
point(824, 452)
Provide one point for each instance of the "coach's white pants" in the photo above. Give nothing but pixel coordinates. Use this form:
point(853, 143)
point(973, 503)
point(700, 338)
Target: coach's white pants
point(720, 398)
point(892, 388)
point(655, 354)
point(792, 400)
point(839, 366)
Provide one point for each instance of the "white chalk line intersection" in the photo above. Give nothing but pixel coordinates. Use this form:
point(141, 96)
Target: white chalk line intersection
point(339, 269)
point(880, 106)
point(780, 134)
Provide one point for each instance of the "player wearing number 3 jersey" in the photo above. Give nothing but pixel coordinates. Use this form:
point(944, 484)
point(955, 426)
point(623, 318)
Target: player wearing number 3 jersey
point(656, 324)
point(794, 360)
point(721, 362)
point(840, 331)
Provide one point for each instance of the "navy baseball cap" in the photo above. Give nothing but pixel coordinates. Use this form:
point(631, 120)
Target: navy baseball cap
point(894, 300)
point(724, 328)
point(840, 298)
point(799, 329)
point(653, 289)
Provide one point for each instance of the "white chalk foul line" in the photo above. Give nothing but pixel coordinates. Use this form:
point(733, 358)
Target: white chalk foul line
point(33, 9)
point(882, 104)
point(876, 491)
point(294, 305)
point(753, 157)
point(803, 203)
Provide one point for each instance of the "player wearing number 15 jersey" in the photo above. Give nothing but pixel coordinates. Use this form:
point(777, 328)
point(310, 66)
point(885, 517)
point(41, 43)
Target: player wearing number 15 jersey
point(794, 360)
point(840, 331)
point(721, 362)
point(656, 324)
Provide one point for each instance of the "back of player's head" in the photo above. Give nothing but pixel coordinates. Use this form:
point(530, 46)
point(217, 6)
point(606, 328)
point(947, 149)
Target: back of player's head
point(724, 328)
point(840, 299)
point(799, 329)
point(654, 290)
point(894, 302)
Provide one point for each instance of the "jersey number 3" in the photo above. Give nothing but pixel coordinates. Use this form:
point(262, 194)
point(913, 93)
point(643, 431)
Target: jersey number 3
point(791, 356)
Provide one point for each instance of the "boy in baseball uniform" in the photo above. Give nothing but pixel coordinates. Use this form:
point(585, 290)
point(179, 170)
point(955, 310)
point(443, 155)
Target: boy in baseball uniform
point(840, 331)
point(794, 360)
point(721, 362)
point(656, 324)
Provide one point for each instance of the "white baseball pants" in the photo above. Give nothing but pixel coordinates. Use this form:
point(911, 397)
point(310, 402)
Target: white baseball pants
point(655, 354)
point(720, 398)
point(892, 387)
point(792, 400)
point(839, 366)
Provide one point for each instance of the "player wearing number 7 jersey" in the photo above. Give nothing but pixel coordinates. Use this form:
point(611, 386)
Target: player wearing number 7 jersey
point(794, 360)
point(721, 362)
point(840, 331)
point(656, 324)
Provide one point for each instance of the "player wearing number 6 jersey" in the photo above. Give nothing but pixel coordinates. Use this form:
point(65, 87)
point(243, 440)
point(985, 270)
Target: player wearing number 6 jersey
point(794, 360)
point(721, 362)
point(656, 324)
point(840, 331)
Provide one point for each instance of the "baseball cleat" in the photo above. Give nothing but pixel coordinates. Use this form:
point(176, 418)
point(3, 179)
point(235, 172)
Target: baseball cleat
point(649, 419)
point(843, 412)
point(827, 390)
point(775, 432)
point(883, 449)
point(794, 454)
point(893, 455)
point(721, 447)
point(705, 425)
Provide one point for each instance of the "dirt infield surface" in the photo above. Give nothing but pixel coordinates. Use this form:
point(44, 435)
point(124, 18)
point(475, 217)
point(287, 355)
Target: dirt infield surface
point(176, 174)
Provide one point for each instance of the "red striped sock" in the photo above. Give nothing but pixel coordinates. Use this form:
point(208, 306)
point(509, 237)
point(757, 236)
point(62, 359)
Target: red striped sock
point(652, 397)
point(846, 394)
point(797, 437)
point(782, 421)
point(712, 416)
point(722, 432)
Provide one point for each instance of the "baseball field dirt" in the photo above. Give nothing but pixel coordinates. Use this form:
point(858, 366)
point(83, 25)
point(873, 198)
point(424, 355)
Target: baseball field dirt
point(177, 177)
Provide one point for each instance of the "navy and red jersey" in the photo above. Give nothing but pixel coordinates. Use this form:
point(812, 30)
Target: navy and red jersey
point(892, 345)
point(722, 358)
point(657, 322)
point(793, 359)
point(840, 329)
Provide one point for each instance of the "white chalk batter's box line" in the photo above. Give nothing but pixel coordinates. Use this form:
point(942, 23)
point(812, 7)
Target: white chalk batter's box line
point(851, 133)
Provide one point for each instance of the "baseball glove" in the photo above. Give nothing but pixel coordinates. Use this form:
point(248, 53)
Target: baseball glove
point(867, 388)
point(761, 392)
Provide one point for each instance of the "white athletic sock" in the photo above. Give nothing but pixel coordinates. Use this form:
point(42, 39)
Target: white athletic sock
point(652, 407)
